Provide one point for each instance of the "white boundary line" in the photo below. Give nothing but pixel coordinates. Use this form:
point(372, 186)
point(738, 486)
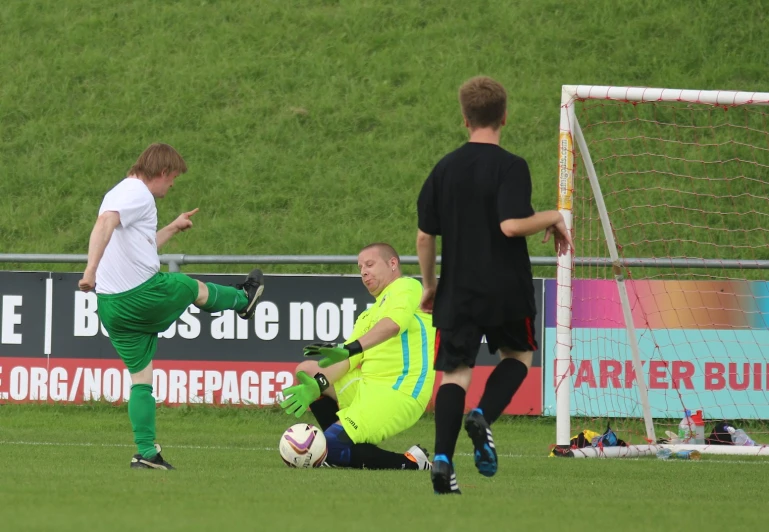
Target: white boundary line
point(273, 449)
point(202, 447)
point(86, 444)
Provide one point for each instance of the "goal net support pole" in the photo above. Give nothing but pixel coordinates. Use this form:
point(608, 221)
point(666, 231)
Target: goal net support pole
point(619, 277)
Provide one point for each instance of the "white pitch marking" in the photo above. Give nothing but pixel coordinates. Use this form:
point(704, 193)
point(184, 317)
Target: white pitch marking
point(166, 446)
point(273, 449)
point(78, 444)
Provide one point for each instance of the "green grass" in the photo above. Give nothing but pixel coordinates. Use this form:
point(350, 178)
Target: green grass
point(309, 127)
point(67, 468)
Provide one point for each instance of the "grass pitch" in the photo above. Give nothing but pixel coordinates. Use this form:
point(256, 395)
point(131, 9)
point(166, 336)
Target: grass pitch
point(309, 126)
point(325, 115)
point(66, 468)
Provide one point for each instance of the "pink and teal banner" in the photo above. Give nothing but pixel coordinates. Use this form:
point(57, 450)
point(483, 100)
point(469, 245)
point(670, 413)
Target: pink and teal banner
point(703, 344)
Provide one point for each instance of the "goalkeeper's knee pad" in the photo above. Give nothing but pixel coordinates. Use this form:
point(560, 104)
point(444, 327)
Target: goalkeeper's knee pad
point(339, 445)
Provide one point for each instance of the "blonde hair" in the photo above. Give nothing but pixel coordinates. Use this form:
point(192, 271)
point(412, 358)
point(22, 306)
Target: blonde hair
point(483, 101)
point(156, 159)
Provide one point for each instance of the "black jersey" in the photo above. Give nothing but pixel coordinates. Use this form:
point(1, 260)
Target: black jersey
point(485, 276)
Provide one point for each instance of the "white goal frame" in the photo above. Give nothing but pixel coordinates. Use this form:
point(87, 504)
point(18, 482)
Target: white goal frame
point(570, 132)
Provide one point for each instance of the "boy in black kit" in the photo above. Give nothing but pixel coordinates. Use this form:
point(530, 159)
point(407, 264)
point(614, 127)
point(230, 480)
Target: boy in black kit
point(478, 199)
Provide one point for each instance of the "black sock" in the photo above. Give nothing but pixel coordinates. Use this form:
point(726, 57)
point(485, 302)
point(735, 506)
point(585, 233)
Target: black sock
point(372, 457)
point(449, 410)
point(501, 386)
point(324, 410)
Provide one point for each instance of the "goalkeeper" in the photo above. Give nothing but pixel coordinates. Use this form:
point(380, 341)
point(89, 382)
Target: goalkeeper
point(379, 383)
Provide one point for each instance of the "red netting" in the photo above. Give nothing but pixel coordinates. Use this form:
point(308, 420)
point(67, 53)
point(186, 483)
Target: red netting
point(683, 183)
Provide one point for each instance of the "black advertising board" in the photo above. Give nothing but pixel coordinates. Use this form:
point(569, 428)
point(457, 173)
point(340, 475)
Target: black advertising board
point(54, 347)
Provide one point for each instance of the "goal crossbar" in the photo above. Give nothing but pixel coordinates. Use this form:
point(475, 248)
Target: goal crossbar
point(646, 94)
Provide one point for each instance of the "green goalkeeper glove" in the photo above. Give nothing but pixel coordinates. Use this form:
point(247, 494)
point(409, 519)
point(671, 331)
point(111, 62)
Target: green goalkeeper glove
point(300, 396)
point(332, 353)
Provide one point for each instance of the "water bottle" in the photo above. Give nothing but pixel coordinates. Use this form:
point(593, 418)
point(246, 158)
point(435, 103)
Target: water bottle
point(686, 429)
point(739, 437)
point(699, 428)
point(666, 454)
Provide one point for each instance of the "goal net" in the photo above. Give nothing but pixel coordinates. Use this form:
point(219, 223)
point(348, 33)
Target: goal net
point(666, 193)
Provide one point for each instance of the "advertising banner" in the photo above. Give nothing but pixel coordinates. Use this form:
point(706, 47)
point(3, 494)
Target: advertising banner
point(54, 348)
point(704, 345)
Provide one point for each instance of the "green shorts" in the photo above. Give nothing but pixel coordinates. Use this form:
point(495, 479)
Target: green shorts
point(134, 318)
point(371, 412)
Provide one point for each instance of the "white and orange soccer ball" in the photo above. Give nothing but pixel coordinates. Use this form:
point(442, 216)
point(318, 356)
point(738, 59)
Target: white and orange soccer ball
point(303, 445)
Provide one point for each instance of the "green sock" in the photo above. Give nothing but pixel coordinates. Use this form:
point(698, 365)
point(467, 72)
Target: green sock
point(141, 412)
point(222, 297)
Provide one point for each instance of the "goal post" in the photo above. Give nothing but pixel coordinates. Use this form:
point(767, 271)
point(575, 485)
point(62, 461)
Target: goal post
point(666, 193)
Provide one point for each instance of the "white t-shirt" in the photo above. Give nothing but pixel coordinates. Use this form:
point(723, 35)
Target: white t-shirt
point(131, 256)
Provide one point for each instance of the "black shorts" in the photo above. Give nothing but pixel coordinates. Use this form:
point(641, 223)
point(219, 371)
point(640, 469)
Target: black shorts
point(460, 345)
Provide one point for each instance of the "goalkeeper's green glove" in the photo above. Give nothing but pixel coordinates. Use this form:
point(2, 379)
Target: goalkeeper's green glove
point(300, 396)
point(332, 353)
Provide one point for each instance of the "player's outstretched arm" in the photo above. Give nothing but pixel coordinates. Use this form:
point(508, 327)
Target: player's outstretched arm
point(329, 353)
point(549, 221)
point(100, 236)
point(531, 225)
point(181, 224)
point(382, 331)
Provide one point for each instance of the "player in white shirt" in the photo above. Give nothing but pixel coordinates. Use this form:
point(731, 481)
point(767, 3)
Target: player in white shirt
point(136, 301)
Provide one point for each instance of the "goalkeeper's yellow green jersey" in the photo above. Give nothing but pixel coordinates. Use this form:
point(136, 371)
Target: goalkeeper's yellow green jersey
point(404, 362)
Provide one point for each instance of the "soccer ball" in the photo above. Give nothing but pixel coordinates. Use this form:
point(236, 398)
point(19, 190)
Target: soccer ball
point(303, 445)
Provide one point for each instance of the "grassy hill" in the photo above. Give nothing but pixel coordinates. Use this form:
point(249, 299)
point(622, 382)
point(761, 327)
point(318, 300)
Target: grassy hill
point(309, 126)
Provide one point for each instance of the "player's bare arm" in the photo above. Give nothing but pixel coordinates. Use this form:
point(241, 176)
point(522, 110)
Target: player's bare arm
point(181, 224)
point(427, 258)
point(100, 236)
point(532, 225)
point(549, 221)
